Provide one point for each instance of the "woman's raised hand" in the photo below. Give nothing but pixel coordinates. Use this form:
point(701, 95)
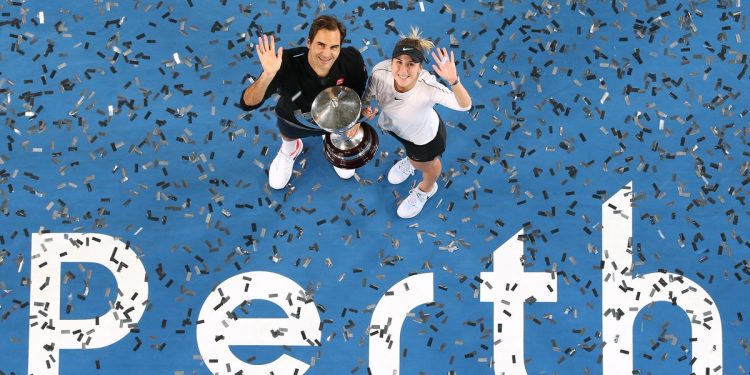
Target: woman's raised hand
point(445, 65)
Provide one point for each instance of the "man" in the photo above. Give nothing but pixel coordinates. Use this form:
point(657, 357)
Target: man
point(298, 75)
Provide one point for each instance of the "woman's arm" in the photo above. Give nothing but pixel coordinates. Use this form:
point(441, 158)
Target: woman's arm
point(445, 67)
point(462, 96)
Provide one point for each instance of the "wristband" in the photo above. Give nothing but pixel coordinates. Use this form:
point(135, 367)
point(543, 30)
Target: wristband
point(457, 81)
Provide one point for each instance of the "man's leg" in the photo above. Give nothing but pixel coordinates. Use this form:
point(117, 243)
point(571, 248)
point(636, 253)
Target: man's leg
point(280, 171)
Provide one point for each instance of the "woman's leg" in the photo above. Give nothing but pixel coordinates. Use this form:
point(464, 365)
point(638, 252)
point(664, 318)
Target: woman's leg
point(430, 172)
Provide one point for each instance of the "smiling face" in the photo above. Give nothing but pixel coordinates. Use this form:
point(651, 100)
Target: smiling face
point(324, 49)
point(405, 72)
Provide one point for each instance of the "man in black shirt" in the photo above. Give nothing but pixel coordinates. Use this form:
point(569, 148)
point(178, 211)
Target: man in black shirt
point(298, 75)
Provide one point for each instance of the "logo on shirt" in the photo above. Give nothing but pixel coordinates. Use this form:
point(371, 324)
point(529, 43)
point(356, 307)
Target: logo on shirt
point(396, 98)
point(340, 81)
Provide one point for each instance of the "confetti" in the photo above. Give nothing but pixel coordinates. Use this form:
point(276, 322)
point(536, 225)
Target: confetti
point(122, 122)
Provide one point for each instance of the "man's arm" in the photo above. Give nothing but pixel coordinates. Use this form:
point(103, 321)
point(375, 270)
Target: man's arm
point(359, 80)
point(256, 92)
point(271, 62)
point(359, 70)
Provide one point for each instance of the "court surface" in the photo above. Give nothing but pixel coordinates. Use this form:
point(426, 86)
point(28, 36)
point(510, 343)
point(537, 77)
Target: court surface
point(120, 123)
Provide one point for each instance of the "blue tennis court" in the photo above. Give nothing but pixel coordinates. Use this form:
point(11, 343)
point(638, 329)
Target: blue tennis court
point(591, 216)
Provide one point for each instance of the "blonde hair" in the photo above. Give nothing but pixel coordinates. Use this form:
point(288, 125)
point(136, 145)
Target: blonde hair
point(415, 39)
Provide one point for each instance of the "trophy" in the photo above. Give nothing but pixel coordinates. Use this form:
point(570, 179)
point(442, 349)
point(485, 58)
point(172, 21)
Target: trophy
point(336, 110)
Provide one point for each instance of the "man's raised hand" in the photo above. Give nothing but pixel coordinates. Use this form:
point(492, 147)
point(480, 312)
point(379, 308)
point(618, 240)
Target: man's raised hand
point(269, 58)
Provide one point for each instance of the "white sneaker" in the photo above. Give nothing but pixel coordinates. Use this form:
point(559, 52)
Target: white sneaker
point(400, 171)
point(345, 174)
point(412, 205)
point(281, 167)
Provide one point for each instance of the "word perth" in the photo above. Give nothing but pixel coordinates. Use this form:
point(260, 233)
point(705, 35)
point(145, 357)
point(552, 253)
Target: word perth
point(507, 287)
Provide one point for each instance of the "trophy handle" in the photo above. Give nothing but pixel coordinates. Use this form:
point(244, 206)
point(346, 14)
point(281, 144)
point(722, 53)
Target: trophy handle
point(305, 118)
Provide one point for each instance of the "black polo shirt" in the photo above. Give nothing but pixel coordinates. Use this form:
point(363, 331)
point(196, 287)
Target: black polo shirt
point(298, 84)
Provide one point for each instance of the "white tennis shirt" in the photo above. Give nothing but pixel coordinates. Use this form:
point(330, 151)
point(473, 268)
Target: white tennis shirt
point(410, 115)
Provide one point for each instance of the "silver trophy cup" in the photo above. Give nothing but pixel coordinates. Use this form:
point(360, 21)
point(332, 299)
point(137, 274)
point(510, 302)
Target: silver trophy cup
point(336, 110)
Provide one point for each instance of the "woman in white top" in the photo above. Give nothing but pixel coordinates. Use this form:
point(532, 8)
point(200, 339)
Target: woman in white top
point(406, 94)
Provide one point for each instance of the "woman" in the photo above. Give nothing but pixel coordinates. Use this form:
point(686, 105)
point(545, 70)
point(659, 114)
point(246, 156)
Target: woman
point(406, 94)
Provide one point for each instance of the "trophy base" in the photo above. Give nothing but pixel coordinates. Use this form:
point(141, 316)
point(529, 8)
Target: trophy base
point(356, 156)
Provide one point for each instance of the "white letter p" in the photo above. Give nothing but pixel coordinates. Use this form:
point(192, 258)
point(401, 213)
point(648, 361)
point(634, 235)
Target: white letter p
point(47, 332)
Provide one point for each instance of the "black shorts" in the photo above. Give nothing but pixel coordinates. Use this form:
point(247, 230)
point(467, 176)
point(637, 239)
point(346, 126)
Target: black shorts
point(294, 131)
point(428, 151)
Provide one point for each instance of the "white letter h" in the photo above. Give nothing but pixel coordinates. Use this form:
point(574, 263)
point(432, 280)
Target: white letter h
point(624, 296)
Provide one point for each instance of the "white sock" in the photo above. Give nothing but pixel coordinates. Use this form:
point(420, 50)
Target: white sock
point(288, 147)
